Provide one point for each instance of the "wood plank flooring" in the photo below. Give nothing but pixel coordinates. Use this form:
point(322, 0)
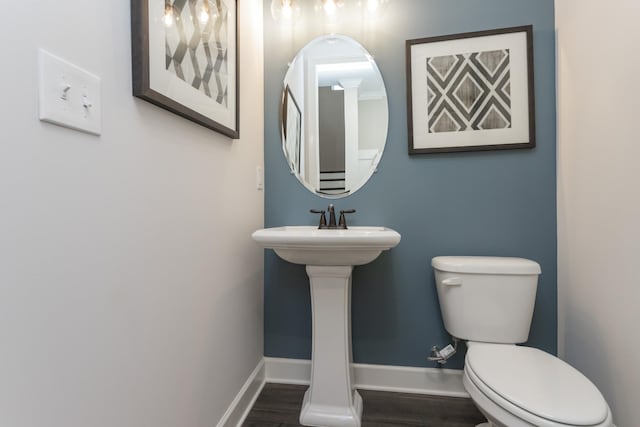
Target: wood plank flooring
point(279, 406)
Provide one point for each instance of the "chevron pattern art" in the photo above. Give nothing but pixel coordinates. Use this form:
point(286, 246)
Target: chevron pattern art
point(467, 92)
point(196, 45)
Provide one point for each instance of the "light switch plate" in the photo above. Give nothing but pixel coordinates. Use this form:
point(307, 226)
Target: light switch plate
point(69, 95)
point(259, 178)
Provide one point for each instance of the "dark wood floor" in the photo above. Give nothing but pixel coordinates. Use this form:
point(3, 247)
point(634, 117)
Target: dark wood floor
point(279, 406)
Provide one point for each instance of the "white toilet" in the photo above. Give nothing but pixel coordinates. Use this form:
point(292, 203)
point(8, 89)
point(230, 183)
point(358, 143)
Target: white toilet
point(488, 302)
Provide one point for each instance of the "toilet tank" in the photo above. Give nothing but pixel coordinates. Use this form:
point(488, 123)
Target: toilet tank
point(487, 299)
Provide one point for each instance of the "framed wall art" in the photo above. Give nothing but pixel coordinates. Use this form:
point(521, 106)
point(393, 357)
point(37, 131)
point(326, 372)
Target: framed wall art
point(471, 91)
point(185, 59)
point(291, 129)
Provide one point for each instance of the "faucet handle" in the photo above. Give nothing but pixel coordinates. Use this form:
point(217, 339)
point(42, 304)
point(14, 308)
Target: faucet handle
point(323, 219)
point(342, 223)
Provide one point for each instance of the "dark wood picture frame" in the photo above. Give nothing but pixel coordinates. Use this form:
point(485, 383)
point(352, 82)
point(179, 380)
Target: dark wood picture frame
point(141, 68)
point(426, 87)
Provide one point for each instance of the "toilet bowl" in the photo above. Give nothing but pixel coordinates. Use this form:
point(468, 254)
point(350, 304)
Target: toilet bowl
point(522, 386)
point(488, 303)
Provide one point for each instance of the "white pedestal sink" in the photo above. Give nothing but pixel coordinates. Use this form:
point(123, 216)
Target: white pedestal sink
point(330, 255)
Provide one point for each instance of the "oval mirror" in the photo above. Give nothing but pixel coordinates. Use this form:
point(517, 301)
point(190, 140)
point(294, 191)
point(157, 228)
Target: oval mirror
point(334, 116)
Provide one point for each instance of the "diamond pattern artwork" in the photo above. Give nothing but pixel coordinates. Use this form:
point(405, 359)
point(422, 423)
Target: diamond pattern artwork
point(196, 45)
point(469, 91)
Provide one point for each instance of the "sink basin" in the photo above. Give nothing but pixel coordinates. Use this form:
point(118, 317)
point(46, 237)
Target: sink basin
point(310, 246)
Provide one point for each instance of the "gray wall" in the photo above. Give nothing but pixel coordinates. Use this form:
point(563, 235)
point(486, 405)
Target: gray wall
point(130, 289)
point(482, 203)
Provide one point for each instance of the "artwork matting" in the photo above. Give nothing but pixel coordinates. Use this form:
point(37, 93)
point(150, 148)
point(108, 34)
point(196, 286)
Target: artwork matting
point(471, 91)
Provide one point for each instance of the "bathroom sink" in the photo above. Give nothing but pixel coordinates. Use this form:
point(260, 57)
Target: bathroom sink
point(330, 255)
point(327, 247)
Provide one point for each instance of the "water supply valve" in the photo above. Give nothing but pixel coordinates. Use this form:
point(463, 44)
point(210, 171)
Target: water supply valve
point(442, 355)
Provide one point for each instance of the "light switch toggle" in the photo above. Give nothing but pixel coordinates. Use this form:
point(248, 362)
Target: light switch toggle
point(85, 102)
point(65, 92)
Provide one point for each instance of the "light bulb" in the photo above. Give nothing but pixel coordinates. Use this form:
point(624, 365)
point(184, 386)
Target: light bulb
point(330, 7)
point(372, 5)
point(168, 16)
point(203, 17)
point(204, 13)
point(287, 10)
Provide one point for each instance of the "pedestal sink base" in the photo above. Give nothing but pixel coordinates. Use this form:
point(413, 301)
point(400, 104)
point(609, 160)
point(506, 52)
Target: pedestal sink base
point(331, 399)
point(318, 415)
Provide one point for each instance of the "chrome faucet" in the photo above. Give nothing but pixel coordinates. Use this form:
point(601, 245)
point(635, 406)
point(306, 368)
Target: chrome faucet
point(342, 224)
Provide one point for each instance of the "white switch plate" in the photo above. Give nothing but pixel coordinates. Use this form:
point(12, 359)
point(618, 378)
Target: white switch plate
point(259, 178)
point(69, 95)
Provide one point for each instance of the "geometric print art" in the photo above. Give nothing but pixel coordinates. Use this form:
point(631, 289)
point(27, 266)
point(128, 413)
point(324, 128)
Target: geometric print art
point(196, 45)
point(467, 92)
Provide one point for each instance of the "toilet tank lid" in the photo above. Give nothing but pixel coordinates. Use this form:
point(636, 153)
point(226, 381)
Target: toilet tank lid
point(485, 265)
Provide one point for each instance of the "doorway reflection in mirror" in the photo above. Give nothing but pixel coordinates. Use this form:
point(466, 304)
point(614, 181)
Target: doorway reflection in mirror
point(335, 87)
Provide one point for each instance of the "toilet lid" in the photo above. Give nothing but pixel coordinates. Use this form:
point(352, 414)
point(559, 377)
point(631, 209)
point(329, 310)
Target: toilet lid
point(538, 383)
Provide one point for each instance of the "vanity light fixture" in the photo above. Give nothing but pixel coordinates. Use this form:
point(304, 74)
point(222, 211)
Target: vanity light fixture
point(284, 9)
point(329, 7)
point(373, 7)
point(290, 10)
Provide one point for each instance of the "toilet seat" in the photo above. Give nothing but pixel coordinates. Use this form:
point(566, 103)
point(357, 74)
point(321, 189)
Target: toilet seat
point(533, 386)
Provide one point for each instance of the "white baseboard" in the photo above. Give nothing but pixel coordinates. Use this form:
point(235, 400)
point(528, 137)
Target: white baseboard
point(287, 371)
point(244, 400)
point(403, 379)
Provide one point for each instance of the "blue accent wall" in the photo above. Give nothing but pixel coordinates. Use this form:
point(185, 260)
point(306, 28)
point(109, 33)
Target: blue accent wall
point(477, 203)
